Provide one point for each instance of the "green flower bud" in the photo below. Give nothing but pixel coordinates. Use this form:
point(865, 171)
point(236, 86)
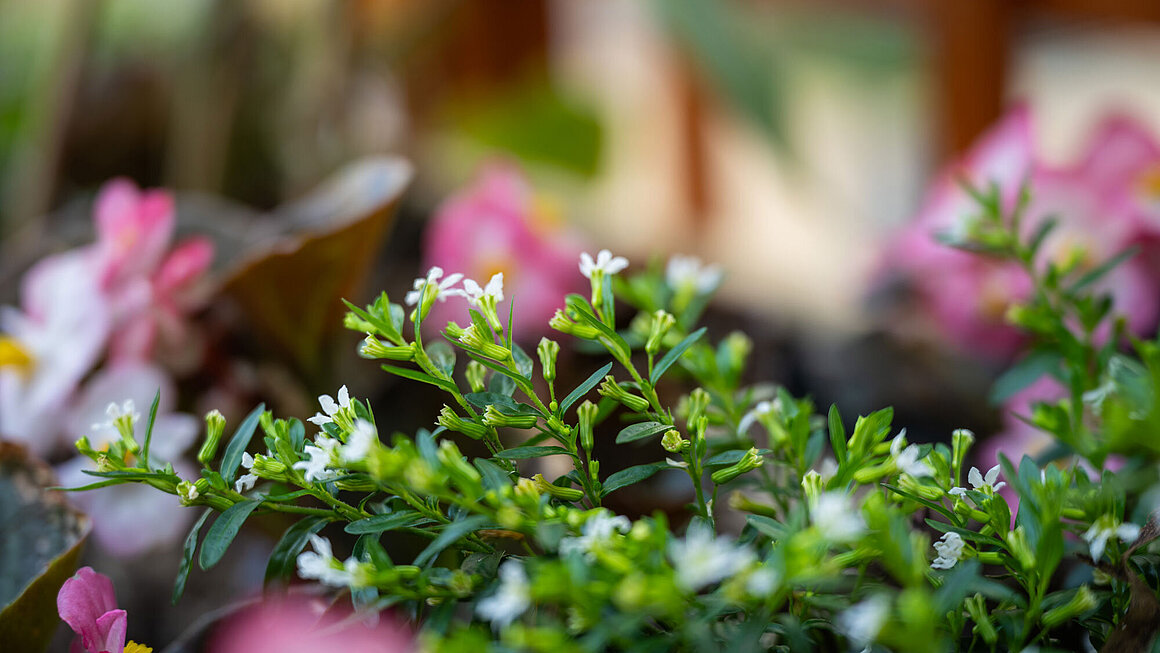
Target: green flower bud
point(269, 468)
point(526, 489)
point(355, 323)
point(750, 461)
point(611, 389)
point(977, 608)
point(961, 441)
point(493, 417)
point(374, 348)
point(697, 403)
point(562, 493)
point(187, 492)
point(737, 348)
point(912, 485)
point(466, 476)
point(586, 412)
point(812, 485)
point(672, 441)
point(661, 323)
point(742, 502)
point(547, 351)
point(1017, 543)
point(484, 345)
point(564, 324)
point(1081, 602)
point(452, 422)
point(476, 376)
point(84, 448)
point(453, 331)
point(266, 420)
point(215, 425)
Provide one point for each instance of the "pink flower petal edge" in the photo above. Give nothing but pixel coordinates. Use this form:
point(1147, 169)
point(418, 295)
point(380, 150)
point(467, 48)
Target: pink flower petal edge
point(88, 604)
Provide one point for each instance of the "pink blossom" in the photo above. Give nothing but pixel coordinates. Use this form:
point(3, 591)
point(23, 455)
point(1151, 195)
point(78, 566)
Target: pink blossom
point(497, 225)
point(88, 604)
point(149, 290)
point(1095, 200)
point(301, 625)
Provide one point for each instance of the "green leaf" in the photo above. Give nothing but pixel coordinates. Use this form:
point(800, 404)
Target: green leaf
point(1098, 273)
point(584, 387)
point(283, 559)
point(449, 536)
point(522, 453)
point(442, 355)
point(1022, 374)
point(149, 429)
point(837, 434)
point(939, 508)
point(297, 433)
point(675, 353)
point(494, 476)
point(502, 403)
point(640, 431)
point(187, 551)
point(768, 527)
point(232, 458)
point(626, 477)
point(222, 532)
point(382, 523)
point(416, 375)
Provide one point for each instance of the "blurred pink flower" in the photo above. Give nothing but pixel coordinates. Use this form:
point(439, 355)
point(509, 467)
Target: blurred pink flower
point(1095, 201)
point(153, 518)
point(498, 225)
point(149, 290)
point(301, 625)
point(88, 604)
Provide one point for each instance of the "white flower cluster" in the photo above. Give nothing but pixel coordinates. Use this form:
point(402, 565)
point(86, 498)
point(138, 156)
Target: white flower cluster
point(906, 460)
point(1104, 529)
point(444, 287)
point(702, 558)
point(835, 517)
point(599, 528)
point(979, 482)
point(511, 599)
point(604, 264)
point(321, 565)
point(950, 551)
point(689, 272)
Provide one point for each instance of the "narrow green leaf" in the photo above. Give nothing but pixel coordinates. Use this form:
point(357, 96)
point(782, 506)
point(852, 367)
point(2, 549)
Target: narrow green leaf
point(382, 523)
point(187, 551)
point(626, 477)
point(449, 536)
point(149, 429)
point(675, 353)
point(442, 355)
point(1098, 273)
point(522, 453)
point(731, 456)
point(502, 403)
point(939, 508)
point(416, 375)
point(640, 431)
point(837, 434)
point(494, 476)
point(768, 527)
point(1022, 374)
point(232, 458)
point(283, 559)
point(223, 531)
point(583, 388)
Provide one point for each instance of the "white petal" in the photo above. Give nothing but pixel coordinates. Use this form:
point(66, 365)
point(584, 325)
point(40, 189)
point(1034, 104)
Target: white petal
point(587, 265)
point(343, 397)
point(495, 286)
point(992, 475)
point(975, 478)
point(1128, 532)
point(328, 405)
point(616, 265)
point(472, 288)
point(247, 460)
point(451, 280)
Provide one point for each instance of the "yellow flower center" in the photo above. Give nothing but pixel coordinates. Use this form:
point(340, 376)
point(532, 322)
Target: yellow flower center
point(134, 647)
point(1150, 183)
point(14, 355)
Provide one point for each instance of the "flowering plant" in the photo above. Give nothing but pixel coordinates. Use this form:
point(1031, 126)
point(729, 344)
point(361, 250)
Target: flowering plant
point(828, 537)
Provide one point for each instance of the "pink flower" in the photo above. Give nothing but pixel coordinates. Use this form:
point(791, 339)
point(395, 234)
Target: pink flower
point(87, 603)
point(149, 290)
point(497, 225)
point(966, 297)
point(300, 625)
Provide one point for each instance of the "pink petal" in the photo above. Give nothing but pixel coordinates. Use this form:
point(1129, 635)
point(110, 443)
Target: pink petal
point(83, 601)
point(111, 626)
point(184, 265)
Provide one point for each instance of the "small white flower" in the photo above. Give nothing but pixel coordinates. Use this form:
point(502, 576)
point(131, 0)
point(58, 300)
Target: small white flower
point(835, 517)
point(512, 598)
point(331, 407)
point(443, 288)
point(827, 469)
point(124, 413)
point(683, 271)
point(1103, 529)
point(358, 444)
point(760, 410)
point(605, 263)
point(950, 551)
point(862, 622)
point(906, 460)
point(246, 483)
point(321, 565)
point(979, 482)
point(702, 559)
point(762, 582)
point(679, 464)
point(493, 290)
point(320, 456)
point(597, 530)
